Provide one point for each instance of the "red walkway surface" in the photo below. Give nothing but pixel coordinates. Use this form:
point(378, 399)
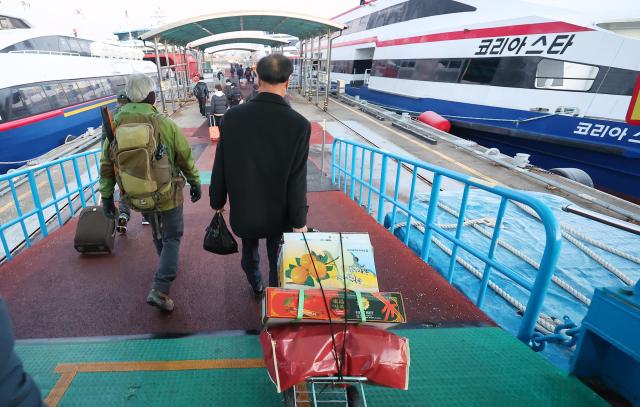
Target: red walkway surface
point(52, 291)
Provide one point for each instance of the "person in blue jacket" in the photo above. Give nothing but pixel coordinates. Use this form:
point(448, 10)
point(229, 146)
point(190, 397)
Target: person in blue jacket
point(17, 388)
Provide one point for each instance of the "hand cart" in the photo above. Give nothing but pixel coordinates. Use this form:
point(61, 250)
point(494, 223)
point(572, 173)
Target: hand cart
point(327, 391)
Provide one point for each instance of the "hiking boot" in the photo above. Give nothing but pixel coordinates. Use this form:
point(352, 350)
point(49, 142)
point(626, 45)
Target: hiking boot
point(160, 300)
point(121, 226)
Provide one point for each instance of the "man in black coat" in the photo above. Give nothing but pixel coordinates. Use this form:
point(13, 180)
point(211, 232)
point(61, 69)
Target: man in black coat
point(16, 387)
point(261, 164)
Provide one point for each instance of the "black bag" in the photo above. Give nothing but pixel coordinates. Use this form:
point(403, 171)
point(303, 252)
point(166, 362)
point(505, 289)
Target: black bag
point(95, 232)
point(217, 238)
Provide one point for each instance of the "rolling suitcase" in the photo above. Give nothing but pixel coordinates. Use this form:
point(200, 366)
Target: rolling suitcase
point(95, 232)
point(214, 131)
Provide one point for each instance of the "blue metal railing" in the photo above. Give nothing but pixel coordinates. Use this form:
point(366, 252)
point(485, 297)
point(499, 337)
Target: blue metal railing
point(49, 197)
point(351, 177)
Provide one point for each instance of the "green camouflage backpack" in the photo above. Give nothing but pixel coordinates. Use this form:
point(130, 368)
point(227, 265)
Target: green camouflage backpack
point(143, 170)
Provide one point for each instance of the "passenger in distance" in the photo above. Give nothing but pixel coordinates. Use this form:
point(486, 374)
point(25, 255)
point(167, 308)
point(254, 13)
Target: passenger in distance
point(153, 159)
point(201, 92)
point(219, 105)
point(261, 164)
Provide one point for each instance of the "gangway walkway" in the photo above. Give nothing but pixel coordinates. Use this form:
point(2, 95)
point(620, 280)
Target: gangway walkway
point(89, 302)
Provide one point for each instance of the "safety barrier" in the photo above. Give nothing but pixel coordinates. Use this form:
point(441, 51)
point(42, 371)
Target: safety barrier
point(52, 186)
point(348, 172)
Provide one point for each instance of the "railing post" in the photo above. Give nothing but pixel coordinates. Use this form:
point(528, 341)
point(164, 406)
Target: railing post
point(333, 160)
point(454, 251)
point(352, 192)
point(545, 272)
point(79, 185)
point(492, 250)
point(38, 204)
point(431, 215)
point(383, 189)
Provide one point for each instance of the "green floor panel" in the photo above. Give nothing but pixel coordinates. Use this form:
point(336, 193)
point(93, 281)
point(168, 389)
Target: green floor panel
point(449, 367)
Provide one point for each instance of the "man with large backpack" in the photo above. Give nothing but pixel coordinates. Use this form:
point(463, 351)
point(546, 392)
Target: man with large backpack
point(149, 157)
point(201, 92)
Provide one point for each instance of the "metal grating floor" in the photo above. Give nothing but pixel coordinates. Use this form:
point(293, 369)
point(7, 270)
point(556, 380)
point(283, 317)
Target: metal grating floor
point(449, 367)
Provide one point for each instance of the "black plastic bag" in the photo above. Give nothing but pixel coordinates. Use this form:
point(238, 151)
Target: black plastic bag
point(218, 239)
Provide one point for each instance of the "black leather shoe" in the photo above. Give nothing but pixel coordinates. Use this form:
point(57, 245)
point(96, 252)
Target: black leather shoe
point(259, 293)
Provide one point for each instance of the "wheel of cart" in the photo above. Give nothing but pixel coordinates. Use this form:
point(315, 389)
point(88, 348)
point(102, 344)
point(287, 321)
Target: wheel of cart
point(327, 391)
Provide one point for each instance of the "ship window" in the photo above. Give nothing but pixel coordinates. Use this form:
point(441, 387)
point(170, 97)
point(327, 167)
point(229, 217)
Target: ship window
point(481, 71)
point(72, 93)
point(26, 45)
point(64, 44)
point(427, 8)
point(106, 86)
point(385, 68)
point(563, 75)
point(447, 70)
point(56, 95)
point(5, 99)
point(9, 23)
point(342, 67)
point(74, 45)
point(97, 88)
point(86, 91)
point(85, 47)
point(28, 101)
point(117, 83)
point(618, 81)
point(47, 44)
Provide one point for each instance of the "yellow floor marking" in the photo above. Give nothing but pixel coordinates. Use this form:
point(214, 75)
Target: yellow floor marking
point(442, 155)
point(68, 371)
point(56, 394)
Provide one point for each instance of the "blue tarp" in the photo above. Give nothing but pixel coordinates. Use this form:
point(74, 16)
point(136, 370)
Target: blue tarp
point(527, 235)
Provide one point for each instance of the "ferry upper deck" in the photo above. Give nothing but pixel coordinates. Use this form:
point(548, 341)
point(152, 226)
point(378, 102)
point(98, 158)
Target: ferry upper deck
point(87, 337)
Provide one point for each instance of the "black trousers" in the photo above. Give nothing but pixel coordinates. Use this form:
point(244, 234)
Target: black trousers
point(202, 103)
point(251, 261)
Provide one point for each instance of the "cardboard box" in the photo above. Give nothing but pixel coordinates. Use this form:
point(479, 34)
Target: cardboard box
point(324, 258)
point(382, 310)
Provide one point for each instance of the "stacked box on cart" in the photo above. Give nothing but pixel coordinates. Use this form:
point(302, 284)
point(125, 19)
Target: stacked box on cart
point(323, 256)
point(379, 309)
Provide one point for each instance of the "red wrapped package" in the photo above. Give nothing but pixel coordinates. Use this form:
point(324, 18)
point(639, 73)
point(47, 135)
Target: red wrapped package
point(293, 353)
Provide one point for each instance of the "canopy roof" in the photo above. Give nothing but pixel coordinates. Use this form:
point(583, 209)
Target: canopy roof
point(191, 29)
point(233, 47)
point(237, 37)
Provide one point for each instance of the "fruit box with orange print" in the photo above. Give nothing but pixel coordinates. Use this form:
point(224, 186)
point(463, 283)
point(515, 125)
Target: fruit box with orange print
point(324, 259)
point(382, 310)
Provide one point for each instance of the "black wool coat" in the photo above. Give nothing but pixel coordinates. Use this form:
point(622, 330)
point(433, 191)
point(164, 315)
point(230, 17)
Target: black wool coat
point(261, 164)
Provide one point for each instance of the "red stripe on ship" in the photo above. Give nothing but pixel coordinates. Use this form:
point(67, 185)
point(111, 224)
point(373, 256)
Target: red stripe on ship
point(522, 29)
point(30, 120)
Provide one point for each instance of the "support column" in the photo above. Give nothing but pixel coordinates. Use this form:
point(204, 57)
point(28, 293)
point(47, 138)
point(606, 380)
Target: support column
point(177, 74)
point(300, 69)
point(158, 67)
point(328, 86)
point(168, 68)
point(310, 93)
point(303, 68)
point(188, 73)
point(318, 71)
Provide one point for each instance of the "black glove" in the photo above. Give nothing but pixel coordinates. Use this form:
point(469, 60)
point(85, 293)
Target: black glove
point(109, 208)
point(195, 192)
